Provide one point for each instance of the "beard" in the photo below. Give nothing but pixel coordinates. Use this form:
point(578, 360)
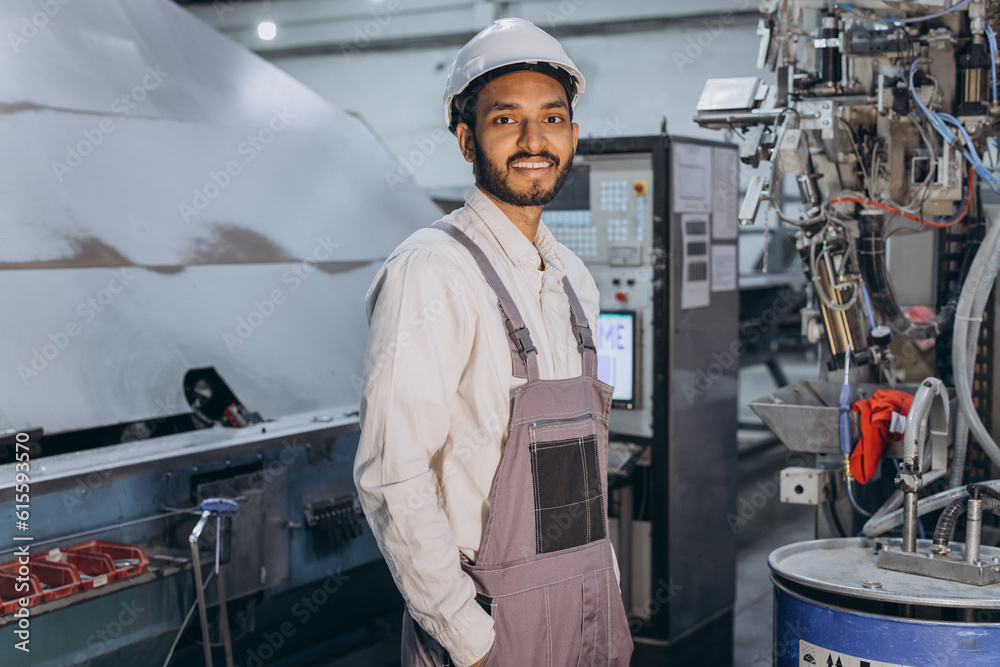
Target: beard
point(496, 181)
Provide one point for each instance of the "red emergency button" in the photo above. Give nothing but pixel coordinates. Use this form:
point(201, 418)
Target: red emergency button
point(621, 296)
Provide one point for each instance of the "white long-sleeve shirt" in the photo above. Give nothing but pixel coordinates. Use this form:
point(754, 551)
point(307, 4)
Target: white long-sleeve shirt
point(436, 401)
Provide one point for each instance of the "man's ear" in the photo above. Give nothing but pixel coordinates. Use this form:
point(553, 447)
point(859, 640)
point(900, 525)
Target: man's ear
point(576, 136)
point(466, 142)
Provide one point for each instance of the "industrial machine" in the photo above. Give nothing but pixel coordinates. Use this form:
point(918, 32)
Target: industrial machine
point(185, 241)
point(883, 119)
point(654, 219)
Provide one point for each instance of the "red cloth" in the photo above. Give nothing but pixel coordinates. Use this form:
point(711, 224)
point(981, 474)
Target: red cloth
point(876, 416)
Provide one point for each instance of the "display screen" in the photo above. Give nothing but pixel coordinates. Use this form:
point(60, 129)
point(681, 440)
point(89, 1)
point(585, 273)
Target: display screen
point(616, 356)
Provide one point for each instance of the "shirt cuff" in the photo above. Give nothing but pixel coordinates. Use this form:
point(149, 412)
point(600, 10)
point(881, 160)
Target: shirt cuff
point(470, 636)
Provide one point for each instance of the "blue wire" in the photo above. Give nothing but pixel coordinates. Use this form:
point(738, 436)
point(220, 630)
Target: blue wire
point(937, 120)
point(931, 116)
point(868, 307)
point(970, 153)
point(992, 37)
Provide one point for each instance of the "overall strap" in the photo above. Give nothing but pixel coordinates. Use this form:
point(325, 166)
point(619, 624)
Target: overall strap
point(581, 329)
point(522, 351)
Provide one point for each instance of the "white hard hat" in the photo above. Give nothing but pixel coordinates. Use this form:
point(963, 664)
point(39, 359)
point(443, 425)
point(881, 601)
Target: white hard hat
point(504, 43)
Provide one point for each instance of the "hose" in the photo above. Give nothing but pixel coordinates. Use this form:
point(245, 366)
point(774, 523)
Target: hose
point(975, 293)
point(945, 527)
point(973, 241)
point(916, 421)
point(949, 517)
point(872, 261)
point(880, 524)
point(854, 501)
point(961, 447)
point(894, 502)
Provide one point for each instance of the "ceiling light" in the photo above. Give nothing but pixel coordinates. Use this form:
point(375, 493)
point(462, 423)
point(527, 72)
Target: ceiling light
point(267, 30)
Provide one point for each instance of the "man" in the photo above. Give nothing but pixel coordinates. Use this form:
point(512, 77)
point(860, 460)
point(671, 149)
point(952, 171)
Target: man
point(481, 466)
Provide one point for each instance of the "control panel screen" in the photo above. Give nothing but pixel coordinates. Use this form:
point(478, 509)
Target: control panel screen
point(616, 356)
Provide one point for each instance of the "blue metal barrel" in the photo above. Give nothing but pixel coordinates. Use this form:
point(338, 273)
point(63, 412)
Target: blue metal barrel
point(833, 607)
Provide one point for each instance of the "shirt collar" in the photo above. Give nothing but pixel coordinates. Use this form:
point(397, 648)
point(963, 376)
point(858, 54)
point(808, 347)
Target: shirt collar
point(514, 243)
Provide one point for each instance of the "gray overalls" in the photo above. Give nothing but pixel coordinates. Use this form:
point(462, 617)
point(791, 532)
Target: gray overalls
point(544, 569)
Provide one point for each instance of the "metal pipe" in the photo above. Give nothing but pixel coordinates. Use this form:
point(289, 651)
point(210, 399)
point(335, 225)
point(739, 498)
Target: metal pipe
point(224, 620)
point(180, 631)
point(196, 562)
point(910, 519)
point(973, 530)
point(712, 121)
point(97, 531)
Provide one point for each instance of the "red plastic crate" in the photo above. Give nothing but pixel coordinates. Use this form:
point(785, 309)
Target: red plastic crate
point(58, 579)
point(95, 569)
point(137, 562)
point(10, 597)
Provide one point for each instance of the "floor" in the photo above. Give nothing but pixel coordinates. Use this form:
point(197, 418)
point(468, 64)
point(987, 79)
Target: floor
point(767, 527)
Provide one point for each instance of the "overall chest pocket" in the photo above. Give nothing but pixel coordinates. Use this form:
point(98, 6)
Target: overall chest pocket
point(566, 476)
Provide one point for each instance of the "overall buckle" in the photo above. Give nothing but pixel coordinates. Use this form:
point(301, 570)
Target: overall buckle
point(585, 338)
point(522, 341)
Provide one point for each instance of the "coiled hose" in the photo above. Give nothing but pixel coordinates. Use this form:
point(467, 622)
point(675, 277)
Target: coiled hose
point(955, 509)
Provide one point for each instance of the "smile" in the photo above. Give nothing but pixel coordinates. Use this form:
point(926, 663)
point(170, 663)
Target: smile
point(532, 165)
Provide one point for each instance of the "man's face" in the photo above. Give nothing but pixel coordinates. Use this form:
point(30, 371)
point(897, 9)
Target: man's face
point(524, 142)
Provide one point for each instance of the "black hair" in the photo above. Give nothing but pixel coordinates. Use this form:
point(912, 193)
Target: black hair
point(463, 106)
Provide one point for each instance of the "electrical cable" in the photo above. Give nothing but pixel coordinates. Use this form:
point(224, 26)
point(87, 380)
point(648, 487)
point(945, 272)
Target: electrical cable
point(823, 296)
point(871, 249)
point(936, 122)
point(844, 405)
point(854, 144)
point(966, 199)
point(857, 507)
point(799, 221)
point(831, 515)
point(774, 168)
point(970, 153)
point(925, 185)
